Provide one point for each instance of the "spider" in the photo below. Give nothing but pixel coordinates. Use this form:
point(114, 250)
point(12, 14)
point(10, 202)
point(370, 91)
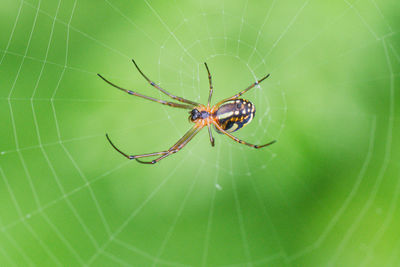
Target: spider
point(227, 116)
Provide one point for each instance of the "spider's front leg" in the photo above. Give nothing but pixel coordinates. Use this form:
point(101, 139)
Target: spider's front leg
point(171, 104)
point(175, 148)
point(181, 99)
point(134, 156)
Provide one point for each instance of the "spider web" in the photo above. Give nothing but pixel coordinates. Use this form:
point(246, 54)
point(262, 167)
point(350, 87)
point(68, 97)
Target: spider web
point(325, 194)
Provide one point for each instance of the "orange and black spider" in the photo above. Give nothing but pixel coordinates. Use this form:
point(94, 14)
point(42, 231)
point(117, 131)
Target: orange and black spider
point(227, 116)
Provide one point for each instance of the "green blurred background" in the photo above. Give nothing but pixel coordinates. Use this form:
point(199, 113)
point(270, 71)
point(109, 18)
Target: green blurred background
point(326, 194)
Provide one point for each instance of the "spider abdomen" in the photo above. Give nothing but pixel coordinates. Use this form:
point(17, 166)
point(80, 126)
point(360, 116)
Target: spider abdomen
point(234, 114)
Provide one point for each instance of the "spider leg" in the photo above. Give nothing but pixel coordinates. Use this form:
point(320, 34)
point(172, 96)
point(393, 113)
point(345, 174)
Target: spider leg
point(211, 87)
point(211, 136)
point(131, 156)
point(241, 141)
point(244, 91)
point(181, 99)
point(171, 104)
point(175, 148)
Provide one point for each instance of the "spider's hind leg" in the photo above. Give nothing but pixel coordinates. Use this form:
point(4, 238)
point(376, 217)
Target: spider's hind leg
point(244, 91)
point(241, 141)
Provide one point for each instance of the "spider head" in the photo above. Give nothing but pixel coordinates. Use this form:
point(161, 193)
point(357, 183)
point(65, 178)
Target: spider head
point(195, 114)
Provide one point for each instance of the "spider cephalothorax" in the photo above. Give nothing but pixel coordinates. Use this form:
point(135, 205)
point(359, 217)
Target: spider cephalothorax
point(195, 114)
point(227, 116)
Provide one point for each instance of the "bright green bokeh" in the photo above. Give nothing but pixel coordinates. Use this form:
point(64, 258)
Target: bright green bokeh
point(326, 193)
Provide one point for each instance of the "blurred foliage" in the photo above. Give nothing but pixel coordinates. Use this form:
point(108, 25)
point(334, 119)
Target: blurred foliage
point(325, 193)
